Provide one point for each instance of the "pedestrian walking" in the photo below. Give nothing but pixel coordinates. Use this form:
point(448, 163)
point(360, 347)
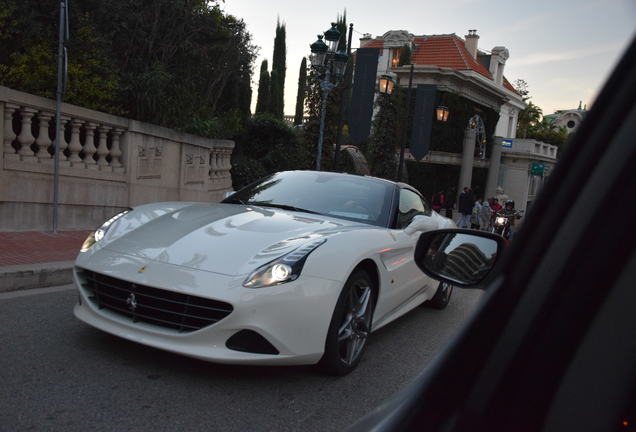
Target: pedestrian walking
point(475, 212)
point(465, 208)
point(485, 215)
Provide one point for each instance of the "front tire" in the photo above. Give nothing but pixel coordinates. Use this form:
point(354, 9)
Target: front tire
point(350, 325)
point(442, 296)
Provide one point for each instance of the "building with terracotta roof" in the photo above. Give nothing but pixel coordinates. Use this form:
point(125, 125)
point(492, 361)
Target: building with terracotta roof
point(460, 71)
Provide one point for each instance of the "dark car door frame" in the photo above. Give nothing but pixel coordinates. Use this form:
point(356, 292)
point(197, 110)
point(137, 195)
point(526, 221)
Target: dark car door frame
point(503, 370)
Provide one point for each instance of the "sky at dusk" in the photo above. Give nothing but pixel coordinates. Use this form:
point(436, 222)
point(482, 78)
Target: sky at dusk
point(565, 50)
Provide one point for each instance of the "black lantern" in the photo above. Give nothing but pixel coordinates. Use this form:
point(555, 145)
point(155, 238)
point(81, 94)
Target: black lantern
point(333, 37)
point(442, 113)
point(386, 85)
point(318, 52)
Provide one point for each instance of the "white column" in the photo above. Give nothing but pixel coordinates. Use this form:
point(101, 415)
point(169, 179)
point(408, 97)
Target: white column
point(468, 156)
point(89, 145)
point(26, 138)
point(9, 134)
point(493, 171)
point(75, 147)
point(43, 140)
point(115, 151)
point(102, 149)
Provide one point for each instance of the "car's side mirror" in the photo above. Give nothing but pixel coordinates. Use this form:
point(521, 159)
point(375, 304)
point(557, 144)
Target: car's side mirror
point(458, 256)
point(420, 223)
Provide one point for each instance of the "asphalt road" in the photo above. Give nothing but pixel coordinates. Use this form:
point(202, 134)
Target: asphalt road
point(57, 373)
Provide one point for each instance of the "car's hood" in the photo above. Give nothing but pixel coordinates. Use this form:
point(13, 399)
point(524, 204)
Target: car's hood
point(230, 239)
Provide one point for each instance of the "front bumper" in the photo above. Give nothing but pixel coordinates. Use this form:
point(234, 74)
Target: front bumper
point(293, 317)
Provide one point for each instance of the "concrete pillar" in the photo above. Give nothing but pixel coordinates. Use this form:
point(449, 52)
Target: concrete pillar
point(468, 156)
point(493, 171)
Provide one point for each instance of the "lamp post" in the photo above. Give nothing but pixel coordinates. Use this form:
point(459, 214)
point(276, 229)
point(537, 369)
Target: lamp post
point(398, 176)
point(328, 61)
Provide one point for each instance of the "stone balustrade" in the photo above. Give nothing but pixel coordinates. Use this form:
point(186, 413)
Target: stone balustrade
point(533, 147)
point(106, 163)
point(29, 135)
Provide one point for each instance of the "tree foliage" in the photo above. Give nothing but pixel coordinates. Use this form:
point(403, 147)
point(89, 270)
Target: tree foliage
point(168, 62)
point(275, 102)
point(264, 93)
point(532, 124)
point(405, 55)
point(280, 69)
point(267, 145)
point(300, 96)
point(383, 143)
point(528, 119)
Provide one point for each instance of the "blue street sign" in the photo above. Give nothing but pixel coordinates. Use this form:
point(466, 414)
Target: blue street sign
point(507, 143)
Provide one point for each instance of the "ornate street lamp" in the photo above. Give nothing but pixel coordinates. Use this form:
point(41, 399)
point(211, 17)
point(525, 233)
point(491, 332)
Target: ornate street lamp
point(331, 64)
point(386, 85)
point(441, 113)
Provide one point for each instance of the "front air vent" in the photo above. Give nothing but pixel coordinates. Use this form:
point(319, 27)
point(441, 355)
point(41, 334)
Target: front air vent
point(160, 307)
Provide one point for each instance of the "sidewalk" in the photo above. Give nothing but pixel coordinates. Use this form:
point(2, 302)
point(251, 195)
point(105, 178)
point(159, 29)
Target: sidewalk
point(36, 259)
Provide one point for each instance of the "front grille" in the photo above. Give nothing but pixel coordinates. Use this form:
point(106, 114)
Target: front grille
point(182, 312)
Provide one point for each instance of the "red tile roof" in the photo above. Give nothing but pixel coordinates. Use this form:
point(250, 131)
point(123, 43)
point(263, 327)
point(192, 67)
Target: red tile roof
point(448, 52)
point(376, 43)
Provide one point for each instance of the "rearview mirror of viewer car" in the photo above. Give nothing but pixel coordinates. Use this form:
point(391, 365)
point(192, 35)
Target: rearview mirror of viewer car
point(458, 256)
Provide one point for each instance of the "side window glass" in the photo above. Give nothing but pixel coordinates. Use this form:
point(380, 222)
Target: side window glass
point(411, 204)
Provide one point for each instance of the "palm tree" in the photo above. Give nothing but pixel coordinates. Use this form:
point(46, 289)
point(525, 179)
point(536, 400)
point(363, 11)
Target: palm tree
point(529, 117)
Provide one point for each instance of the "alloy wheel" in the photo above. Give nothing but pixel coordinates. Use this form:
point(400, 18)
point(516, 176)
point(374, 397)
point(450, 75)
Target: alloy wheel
point(355, 327)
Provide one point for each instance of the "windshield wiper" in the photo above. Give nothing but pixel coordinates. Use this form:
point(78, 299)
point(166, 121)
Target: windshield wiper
point(281, 206)
point(233, 201)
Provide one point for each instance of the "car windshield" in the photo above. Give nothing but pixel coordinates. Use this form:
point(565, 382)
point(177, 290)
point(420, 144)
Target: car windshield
point(350, 197)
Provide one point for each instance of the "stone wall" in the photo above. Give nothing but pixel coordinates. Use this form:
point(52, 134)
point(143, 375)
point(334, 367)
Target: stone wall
point(107, 163)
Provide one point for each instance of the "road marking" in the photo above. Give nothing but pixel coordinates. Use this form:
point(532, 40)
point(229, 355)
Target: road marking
point(36, 291)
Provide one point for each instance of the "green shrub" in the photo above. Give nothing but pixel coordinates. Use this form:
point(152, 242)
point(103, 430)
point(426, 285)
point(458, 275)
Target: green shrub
point(266, 146)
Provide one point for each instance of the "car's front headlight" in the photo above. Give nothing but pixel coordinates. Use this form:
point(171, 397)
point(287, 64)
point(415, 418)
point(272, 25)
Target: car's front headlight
point(100, 232)
point(284, 269)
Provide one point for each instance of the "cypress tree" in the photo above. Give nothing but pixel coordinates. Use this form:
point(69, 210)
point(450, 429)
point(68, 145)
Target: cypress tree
point(341, 24)
point(263, 99)
point(300, 98)
point(275, 102)
point(278, 66)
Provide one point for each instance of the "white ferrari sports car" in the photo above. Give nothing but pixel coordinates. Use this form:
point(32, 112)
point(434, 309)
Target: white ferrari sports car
point(297, 268)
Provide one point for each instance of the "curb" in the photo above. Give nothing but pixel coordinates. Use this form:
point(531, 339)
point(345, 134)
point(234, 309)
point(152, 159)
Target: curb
point(39, 275)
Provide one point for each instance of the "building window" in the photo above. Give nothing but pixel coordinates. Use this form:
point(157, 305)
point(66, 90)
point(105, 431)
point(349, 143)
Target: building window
point(395, 57)
point(511, 120)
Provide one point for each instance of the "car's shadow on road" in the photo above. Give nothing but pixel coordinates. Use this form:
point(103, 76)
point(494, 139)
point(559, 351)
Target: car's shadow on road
point(382, 347)
point(161, 363)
